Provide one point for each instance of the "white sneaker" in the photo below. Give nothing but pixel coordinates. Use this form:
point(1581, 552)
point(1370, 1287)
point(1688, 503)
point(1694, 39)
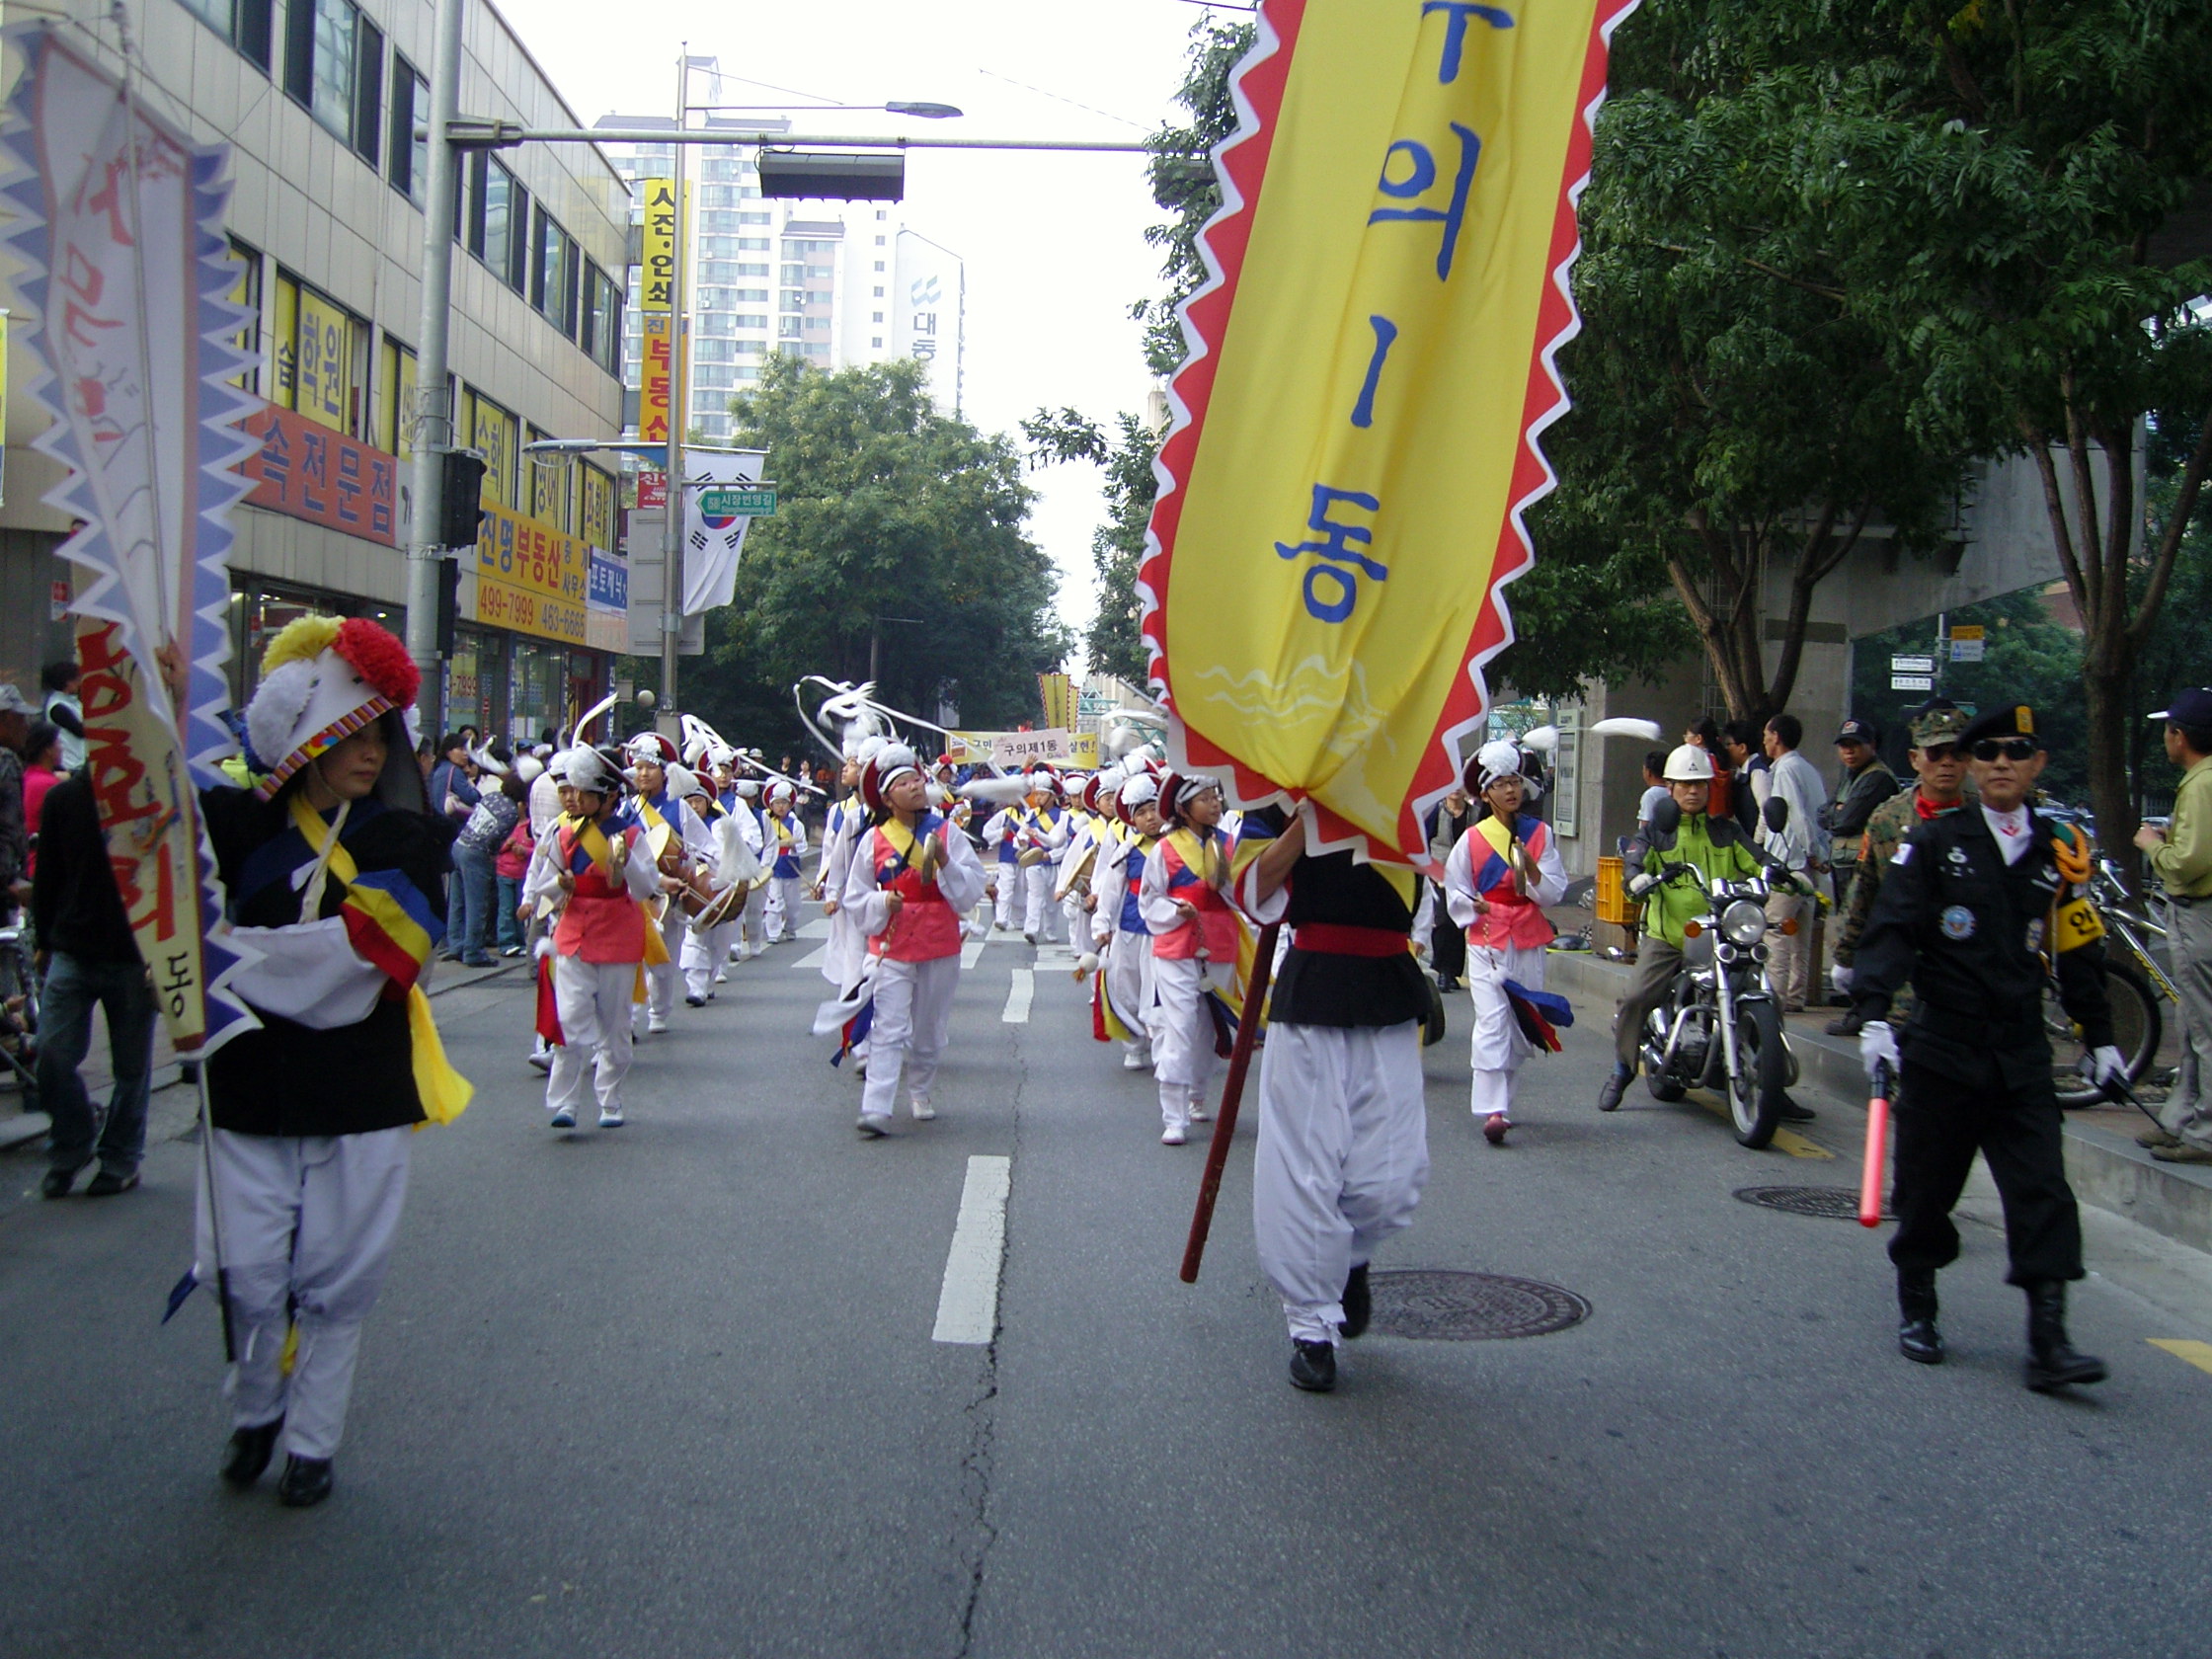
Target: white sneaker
point(921, 1108)
point(610, 1116)
point(1172, 1136)
point(543, 1060)
point(656, 1025)
point(1198, 1111)
point(720, 977)
point(1131, 1061)
point(565, 1118)
point(872, 1127)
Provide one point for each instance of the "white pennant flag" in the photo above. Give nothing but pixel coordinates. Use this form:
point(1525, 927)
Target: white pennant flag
point(712, 541)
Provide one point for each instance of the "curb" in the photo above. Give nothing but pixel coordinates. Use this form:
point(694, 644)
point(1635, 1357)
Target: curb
point(2105, 1166)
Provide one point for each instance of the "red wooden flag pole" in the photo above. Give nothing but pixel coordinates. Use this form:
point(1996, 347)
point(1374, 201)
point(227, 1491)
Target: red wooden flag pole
point(1233, 1093)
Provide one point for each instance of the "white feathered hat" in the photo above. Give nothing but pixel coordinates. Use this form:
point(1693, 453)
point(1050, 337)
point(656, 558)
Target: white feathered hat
point(322, 680)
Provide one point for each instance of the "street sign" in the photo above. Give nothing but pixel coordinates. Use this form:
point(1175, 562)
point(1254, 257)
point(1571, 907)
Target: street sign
point(653, 490)
point(1968, 643)
point(1912, 665)
point(736, 504)
point(1912, 682)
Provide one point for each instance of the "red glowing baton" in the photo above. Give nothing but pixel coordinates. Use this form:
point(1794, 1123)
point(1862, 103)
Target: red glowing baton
point(1877, 1149)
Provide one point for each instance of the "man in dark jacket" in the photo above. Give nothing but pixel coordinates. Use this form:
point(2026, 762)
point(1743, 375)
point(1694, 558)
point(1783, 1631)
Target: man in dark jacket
point(1864, 785)
point(88, 958)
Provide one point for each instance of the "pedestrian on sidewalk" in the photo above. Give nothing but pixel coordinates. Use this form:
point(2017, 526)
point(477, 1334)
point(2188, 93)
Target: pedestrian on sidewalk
point(513, 860)
point(16, 716)
point(1497, 881)
point(1453, 817)
point(1970, 903)
point(1800, 846)
point(65, 710)
point(1343, 1146)
point(87, 959)
point(2180, 856)
point(42, 770)
point(499, 807)
point(332, 865)
point(1864, 785)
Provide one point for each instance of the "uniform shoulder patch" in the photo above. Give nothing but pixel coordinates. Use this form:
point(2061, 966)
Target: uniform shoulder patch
point(1902, 854)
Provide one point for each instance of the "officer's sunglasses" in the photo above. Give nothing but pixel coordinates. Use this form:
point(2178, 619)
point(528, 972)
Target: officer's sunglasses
point(2012, 748)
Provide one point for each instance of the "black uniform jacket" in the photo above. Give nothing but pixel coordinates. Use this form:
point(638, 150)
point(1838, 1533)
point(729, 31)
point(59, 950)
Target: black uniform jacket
point(1967, 930)
point(1324, 989)
point(288, 1079)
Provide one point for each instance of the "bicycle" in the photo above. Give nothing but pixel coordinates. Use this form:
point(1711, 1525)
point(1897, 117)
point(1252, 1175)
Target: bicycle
point(19, 1009)
point(2133, 983)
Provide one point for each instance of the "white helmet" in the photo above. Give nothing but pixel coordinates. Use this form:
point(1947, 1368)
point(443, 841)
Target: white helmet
point(1689, 764)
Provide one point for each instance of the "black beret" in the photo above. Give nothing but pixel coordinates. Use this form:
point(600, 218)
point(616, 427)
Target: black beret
point(2013, 720)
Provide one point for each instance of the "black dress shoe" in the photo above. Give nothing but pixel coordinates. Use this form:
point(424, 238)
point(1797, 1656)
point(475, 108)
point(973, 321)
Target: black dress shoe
point(1359, 1306)
point(304, 1483)
point(1845, 1025)
point(690, 1002)
point(250, 1450)
point(1313, 1367)
point(58, 1183)
point(1617, 1084)
point(107, 1184)
point(1791, 1112)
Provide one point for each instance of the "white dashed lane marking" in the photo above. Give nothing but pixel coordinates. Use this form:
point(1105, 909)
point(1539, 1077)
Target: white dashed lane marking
point(1017, 1000)
point(968, 1302)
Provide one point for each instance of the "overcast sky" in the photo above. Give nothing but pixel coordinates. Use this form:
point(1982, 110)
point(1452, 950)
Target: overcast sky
point(1053, 244)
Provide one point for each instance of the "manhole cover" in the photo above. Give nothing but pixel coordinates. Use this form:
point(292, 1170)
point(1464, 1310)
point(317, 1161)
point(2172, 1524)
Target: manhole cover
point(1830, 1204)
point(1430, 1305)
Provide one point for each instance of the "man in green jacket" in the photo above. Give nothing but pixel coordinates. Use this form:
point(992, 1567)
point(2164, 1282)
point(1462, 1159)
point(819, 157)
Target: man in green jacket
point(2180, 857)
point(1714, 847)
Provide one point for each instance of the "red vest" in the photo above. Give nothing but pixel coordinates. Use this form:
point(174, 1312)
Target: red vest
point(925, 927)
point(1213, 933)
point(600, 922)
point(1513, 919)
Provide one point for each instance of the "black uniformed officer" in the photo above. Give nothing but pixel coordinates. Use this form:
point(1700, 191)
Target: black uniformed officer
point(1976, 912)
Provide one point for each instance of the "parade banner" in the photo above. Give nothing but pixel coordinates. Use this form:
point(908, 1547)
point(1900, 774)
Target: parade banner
point(1354, 434)
point(116, 222)
point(1056, 692)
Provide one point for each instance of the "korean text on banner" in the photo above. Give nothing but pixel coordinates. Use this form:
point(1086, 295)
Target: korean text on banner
point(656, 245)
point(1354, 438)
point(117, 221)
point(655, 374)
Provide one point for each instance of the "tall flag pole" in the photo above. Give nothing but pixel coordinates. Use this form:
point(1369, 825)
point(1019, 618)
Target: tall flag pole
point(117, 218)
point(1355, 429)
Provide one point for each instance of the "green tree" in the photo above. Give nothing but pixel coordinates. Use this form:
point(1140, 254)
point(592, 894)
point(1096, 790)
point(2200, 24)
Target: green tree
point(897, 552)
point(1113, 643)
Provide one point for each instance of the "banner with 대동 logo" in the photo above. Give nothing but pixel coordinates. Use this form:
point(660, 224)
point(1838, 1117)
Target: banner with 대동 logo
point(1355, 429)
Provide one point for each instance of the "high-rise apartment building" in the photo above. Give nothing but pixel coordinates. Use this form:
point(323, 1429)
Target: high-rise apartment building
point(832, 284)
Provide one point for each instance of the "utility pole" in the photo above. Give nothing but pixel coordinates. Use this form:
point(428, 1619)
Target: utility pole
point(433, 411)
point(673, 519)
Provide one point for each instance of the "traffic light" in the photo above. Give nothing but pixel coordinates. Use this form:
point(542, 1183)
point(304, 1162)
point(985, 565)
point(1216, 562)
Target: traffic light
point(460, 497)
point(820, 175)
point(449, 605)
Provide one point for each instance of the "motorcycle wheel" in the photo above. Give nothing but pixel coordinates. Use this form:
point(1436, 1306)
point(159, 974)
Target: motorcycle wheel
point(1755, 1094)
point(2137, 1028)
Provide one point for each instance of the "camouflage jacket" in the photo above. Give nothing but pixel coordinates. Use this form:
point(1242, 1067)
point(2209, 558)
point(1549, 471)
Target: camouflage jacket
point(1885, 832)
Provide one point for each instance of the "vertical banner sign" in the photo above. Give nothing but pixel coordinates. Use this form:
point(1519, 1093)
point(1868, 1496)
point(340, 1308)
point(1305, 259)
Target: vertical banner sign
point(1354, 438)
point(713, 538)
point(1058, 694)
point(116, 220)
point(656, 302)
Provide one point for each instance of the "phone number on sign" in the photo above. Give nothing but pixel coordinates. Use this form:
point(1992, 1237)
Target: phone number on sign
point(524, 612)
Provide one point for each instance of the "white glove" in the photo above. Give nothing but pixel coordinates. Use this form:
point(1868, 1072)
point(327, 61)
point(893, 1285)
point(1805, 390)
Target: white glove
point(2107, 1065)
point(1877, 1047)
point(1642, 882)
point(1839, 976)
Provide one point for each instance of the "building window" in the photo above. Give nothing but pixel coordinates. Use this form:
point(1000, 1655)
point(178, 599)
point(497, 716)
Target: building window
point(409, 163)
point(333, 65)
point(248, 294)
point(876, 317)
point(395, 399)
point(602, 320)
point(756, 218)
point(499, 220)
point(554, 275)
point(749, 320)
point(748, 296)
point(788, 328)
point(750, 270)
point(488, 428)
point(712, 351)
point(794, 301)
point(245, 23)
point(749, 374)
point(753, 245)
point(879, 241)
point(877, 342)
point(816, 325)
point(321, 352)
point(882, 214)
point(751, 347)
point(879, 291)
point(879, 265)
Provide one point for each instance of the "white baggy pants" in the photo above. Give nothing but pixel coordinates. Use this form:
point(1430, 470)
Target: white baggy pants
point(913, 1018)
point(309, 1221)
point(753, 924)
point(1183, 1059)
point(662, 979)
point(594, 1000)
point(1129, 982)
point(703, 957)
point(1343, 1155)
point(784, 900)
point(1040, 911)
point(1006, 909)
point(1498, 1046)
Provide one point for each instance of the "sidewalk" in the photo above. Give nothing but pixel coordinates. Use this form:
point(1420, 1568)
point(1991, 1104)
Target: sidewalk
point(171, 1116)
point(2102, 1161)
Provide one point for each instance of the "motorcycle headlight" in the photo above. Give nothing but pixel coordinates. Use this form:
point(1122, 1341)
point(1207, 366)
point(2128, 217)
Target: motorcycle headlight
point(1743, 924)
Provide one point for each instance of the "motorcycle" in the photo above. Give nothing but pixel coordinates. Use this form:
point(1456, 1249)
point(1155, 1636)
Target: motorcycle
point(1720, 1027)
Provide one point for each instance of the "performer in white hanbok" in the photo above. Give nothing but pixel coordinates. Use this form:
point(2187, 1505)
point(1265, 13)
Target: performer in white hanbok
point(729, 865)
point(752, 926)
point(786, 855)
point(1003, 834)
point(913, 879)
point(1496, 881)
point(1118, 929)
point(848, 824)
point(676, 841)
point(1183, 897)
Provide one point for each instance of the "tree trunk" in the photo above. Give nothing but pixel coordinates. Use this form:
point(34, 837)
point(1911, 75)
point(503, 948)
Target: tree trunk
point(2109, 708)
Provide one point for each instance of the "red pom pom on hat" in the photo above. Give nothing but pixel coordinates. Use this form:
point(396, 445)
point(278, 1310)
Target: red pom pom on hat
point(377, 656)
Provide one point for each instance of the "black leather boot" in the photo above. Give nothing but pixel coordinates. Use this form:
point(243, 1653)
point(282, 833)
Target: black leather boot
point(249, 1452)
point(1917, 1336)
point(1616, 1085)
point(1313, 1367)
point(2053, 1361)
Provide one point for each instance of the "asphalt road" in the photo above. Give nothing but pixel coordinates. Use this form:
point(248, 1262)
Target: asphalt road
point(673, 1390)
